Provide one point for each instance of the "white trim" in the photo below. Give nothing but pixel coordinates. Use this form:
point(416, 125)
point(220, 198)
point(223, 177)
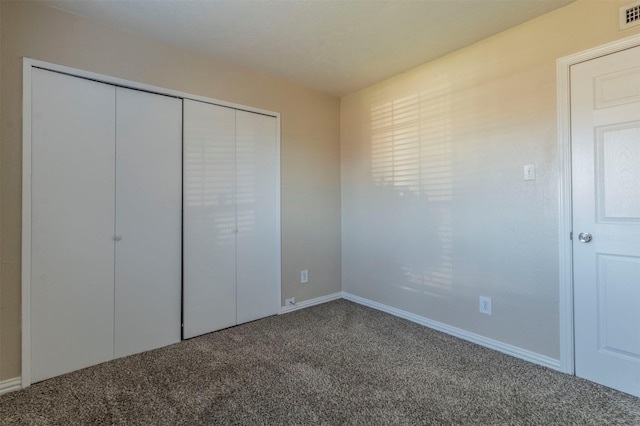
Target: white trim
point(564, 190)
point(27, 65)
point(10, 385)
point(312, 302)
point(26, 223)
point(140, 86)
point(279, 217)
point(459, 333)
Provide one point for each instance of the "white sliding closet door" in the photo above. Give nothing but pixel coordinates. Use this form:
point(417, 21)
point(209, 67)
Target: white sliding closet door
point(72, 222)
point(231, 240)
point(209, 218)
point(148, 220)
point(257, 209)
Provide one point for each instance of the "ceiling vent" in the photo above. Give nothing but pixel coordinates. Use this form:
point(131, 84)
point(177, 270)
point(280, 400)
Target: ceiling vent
point(630, 15)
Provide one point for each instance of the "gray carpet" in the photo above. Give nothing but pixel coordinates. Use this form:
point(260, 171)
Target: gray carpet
point(337, 363)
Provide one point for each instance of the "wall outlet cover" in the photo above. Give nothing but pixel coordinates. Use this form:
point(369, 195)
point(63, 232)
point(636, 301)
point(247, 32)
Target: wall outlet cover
point(485, 305)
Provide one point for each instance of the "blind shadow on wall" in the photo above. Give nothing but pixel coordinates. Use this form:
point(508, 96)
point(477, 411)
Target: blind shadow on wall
point(411, 163)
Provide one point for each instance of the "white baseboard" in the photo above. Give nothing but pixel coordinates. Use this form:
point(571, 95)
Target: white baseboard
point(460, 333)
point(311, 302)
point(10, 385)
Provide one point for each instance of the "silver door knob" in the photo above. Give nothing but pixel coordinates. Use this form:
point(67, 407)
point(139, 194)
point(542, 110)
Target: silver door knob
point(117, 237)
point(585, 237)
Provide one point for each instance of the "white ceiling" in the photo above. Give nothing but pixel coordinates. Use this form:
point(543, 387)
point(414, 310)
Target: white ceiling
point(335, 46)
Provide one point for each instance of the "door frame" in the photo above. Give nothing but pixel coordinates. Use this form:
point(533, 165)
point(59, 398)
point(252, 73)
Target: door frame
point(567, 362)
point(27, 66)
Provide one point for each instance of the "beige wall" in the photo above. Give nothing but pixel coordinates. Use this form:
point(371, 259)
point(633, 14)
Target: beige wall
point(435, 212)
point(309, 143)
point(2, 307)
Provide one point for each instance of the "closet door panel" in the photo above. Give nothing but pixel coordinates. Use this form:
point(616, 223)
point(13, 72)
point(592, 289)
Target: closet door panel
point(72, 222)
point(148, 220)
point(257, 238)
point(209, 218)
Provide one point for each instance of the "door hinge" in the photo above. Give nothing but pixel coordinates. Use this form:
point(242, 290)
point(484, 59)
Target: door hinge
point(571, 235)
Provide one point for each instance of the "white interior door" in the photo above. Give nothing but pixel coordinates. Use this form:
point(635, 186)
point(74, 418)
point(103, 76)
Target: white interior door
point(209, 218)
point(257, 212)
point(148, 221)
point(605, 126)
point(72, 223)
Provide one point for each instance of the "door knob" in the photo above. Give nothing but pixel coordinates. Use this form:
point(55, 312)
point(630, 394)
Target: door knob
point(585, 237)
point(117, 237)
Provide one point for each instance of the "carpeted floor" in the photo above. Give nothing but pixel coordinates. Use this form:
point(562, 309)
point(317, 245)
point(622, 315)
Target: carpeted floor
point(337, 363)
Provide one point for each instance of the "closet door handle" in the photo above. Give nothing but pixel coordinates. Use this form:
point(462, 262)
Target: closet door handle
point(117, 237)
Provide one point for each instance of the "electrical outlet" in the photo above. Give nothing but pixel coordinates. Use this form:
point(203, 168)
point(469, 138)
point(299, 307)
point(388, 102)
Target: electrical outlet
point(290, 301)
point(485, 305)
point(304, 276)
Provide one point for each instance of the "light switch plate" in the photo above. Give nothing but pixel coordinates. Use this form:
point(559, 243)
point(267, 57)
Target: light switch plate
point(529, 172)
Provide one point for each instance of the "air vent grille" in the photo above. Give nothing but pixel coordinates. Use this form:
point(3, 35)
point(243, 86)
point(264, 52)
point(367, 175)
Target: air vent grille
point(630, 15)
